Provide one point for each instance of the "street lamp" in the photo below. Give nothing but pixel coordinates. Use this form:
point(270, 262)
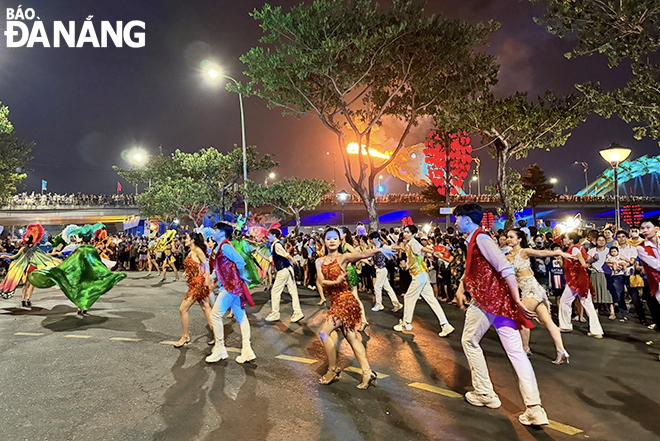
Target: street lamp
point(553, 180)
point(477, 161)
point(213, 72)
point(343, 197)
point(585, 167)
point(136, 157)
point(271, 175)
point(474, 179)
point(615, 154)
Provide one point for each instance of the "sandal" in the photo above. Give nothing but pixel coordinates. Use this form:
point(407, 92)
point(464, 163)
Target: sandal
point(334, 372)
point(373, 377)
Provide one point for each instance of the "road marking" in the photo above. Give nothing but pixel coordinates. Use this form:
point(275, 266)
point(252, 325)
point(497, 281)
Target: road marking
point(124, 339)
point(298, 359)
point(233, 350)
point(563, 428)
point(29, 334)
point(168, 342)
point(359, 371)
point(436, 390)
point(77, 336)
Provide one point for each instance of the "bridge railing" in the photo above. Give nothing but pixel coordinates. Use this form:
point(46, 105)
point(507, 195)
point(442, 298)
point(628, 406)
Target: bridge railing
point(54, 201)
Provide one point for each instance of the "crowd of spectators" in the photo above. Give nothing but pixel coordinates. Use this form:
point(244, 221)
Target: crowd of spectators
point(38, 200)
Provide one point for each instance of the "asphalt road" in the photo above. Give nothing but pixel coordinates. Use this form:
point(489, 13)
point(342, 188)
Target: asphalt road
point(113, 376)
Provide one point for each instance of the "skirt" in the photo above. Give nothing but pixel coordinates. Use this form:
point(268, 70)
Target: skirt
point(530, 287)
point(599, 283)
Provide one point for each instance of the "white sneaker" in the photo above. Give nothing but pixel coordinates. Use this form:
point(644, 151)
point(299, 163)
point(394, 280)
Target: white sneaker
point(479, 400)
point(218, 353)
point(295, 318)
point(446, 330)
point(403, 326)
point(273, 317)
point(534, 416)
point(377, 308)
point(397, 307)
point(246, 356)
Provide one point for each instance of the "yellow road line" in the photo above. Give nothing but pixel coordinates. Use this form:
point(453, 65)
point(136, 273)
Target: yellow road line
point(168, 342)
point(298, 359)
point(563, 428)
point(233, 350)
point(29, 334)
point(359, 371)
point(435, 390)
point(124, 339)
point(77, 336)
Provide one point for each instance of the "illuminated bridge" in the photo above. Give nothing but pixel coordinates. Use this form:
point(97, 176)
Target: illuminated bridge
point(630, 179)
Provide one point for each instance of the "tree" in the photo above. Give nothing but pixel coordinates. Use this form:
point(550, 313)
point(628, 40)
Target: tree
point(623, 30)
point(534, 180)
point(5, 124)
point(14, 155)
point(353, 64)
point(517, 196)
point(289, 196)
point(511, 127)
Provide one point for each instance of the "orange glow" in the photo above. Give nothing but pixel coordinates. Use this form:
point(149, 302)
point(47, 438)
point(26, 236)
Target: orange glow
point(352, 149)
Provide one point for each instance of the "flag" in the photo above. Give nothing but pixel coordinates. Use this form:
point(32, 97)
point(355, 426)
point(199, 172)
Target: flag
point(118, 186)
point(44, 185)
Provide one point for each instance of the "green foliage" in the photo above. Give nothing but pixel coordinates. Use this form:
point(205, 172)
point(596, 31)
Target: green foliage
point(621, 30)
point(351, 62)
point(518, 195)
point(434, 200)
point(14, 155)
point(289, 196)
point(535, 180)
point(5, 124)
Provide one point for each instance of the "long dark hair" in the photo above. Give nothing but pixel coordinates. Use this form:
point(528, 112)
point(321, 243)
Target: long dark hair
point(348, 239)
point(199, 241)
point(325, 233)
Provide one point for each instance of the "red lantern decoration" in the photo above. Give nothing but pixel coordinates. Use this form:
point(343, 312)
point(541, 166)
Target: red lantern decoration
point(488, 221)
point(632, 214)
point(448, 156)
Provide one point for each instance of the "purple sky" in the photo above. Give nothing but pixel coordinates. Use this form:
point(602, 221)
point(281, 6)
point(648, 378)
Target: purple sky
point(84, 106)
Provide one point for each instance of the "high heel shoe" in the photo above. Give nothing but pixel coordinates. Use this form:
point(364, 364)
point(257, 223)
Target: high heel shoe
point(363, 326)
point(180, 345)
point(336, 374)
point(373, 377)
point(28, 303)
point(562, 357)
point(322, 302)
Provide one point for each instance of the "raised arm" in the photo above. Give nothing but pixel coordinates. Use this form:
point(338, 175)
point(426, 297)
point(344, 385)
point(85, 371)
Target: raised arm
point(528, 252)
point(354, 257)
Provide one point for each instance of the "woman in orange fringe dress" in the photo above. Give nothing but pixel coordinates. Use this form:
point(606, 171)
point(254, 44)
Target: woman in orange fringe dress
point(345, 312)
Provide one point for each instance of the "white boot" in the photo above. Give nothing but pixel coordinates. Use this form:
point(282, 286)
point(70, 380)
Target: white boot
point(247, 354)
point(219, 351)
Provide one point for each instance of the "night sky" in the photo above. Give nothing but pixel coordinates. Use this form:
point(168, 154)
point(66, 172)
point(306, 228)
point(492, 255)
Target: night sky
point(83, 106)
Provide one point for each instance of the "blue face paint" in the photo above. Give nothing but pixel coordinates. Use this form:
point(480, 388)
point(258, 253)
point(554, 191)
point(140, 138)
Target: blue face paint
point(323, 336)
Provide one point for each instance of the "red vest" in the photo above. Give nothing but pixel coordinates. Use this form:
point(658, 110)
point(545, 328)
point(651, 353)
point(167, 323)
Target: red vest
point(576, 275)
point(487, 286)
point(652, 276)
point(228, 276)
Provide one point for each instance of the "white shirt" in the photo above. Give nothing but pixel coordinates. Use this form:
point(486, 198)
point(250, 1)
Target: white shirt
point(597, 265)
point(629, 253)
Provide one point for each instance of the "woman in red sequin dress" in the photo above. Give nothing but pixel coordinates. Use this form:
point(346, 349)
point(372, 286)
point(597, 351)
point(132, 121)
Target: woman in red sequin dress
point(345, 313)
point(196, 267)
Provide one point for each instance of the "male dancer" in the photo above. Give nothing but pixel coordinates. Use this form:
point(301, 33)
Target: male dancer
point(282, 261)
point(382, 279)
point(649, 254)
point(420, 285)
point(491, 281)
point(232, 293)
point(577, 283)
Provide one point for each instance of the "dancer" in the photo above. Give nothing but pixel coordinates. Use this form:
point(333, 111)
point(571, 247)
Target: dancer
point(490, 280)
point(382, 277)
point(533, 295)
point(344, 314)
point(649, 253)
point(195, 271)
point(152, 260)
point(283, 265)
point(577, 284)
point(83, 277)
point(351, 271)
point(420, 285)
point(232, 292)
point(169, 262)
point(28, 259)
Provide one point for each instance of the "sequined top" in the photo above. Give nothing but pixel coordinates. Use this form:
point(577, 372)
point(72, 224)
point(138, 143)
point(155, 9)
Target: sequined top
point(576, 275)
point(416, 264)
point(196, 279)
point(345, 310)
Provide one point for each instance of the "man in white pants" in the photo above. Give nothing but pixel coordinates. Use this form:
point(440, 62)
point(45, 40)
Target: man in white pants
point(577, 284)
point(420, 285)
point(382, 277)
point(283, 264)
point(491, 281)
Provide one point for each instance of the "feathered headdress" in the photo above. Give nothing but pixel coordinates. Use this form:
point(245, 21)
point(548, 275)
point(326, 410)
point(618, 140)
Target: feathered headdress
point(35, 231)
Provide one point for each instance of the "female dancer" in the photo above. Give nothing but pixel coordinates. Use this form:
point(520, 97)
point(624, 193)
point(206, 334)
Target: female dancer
point(169, 262)
point(533, 295)
point(152, 260)
point(195, 270)
point(351, 272)
point(345, 312)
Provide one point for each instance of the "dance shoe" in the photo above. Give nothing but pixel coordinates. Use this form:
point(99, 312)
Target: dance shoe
point(377, 308)
point(397, 307)
point(296, 317)
point(246, 356)
point(479, 400)
point(595, 335)
point(218, 353)
point(372, 378)
point(273, 317)
point(446, 330)
point(180, 343)
point(403, 326)
point(562, 357)
point(534, 416)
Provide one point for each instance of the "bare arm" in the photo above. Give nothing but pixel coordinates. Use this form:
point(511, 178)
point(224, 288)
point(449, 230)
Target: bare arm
point(354, 257)
point(528, 252)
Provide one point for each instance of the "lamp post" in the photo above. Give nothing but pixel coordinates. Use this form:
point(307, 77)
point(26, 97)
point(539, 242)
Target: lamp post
point(585, 167)
point(478, 176)
point(615, 154)
point(213, 72)
point(343, 197)
point(136, 157)
point(334, 169)
point(474, 178)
